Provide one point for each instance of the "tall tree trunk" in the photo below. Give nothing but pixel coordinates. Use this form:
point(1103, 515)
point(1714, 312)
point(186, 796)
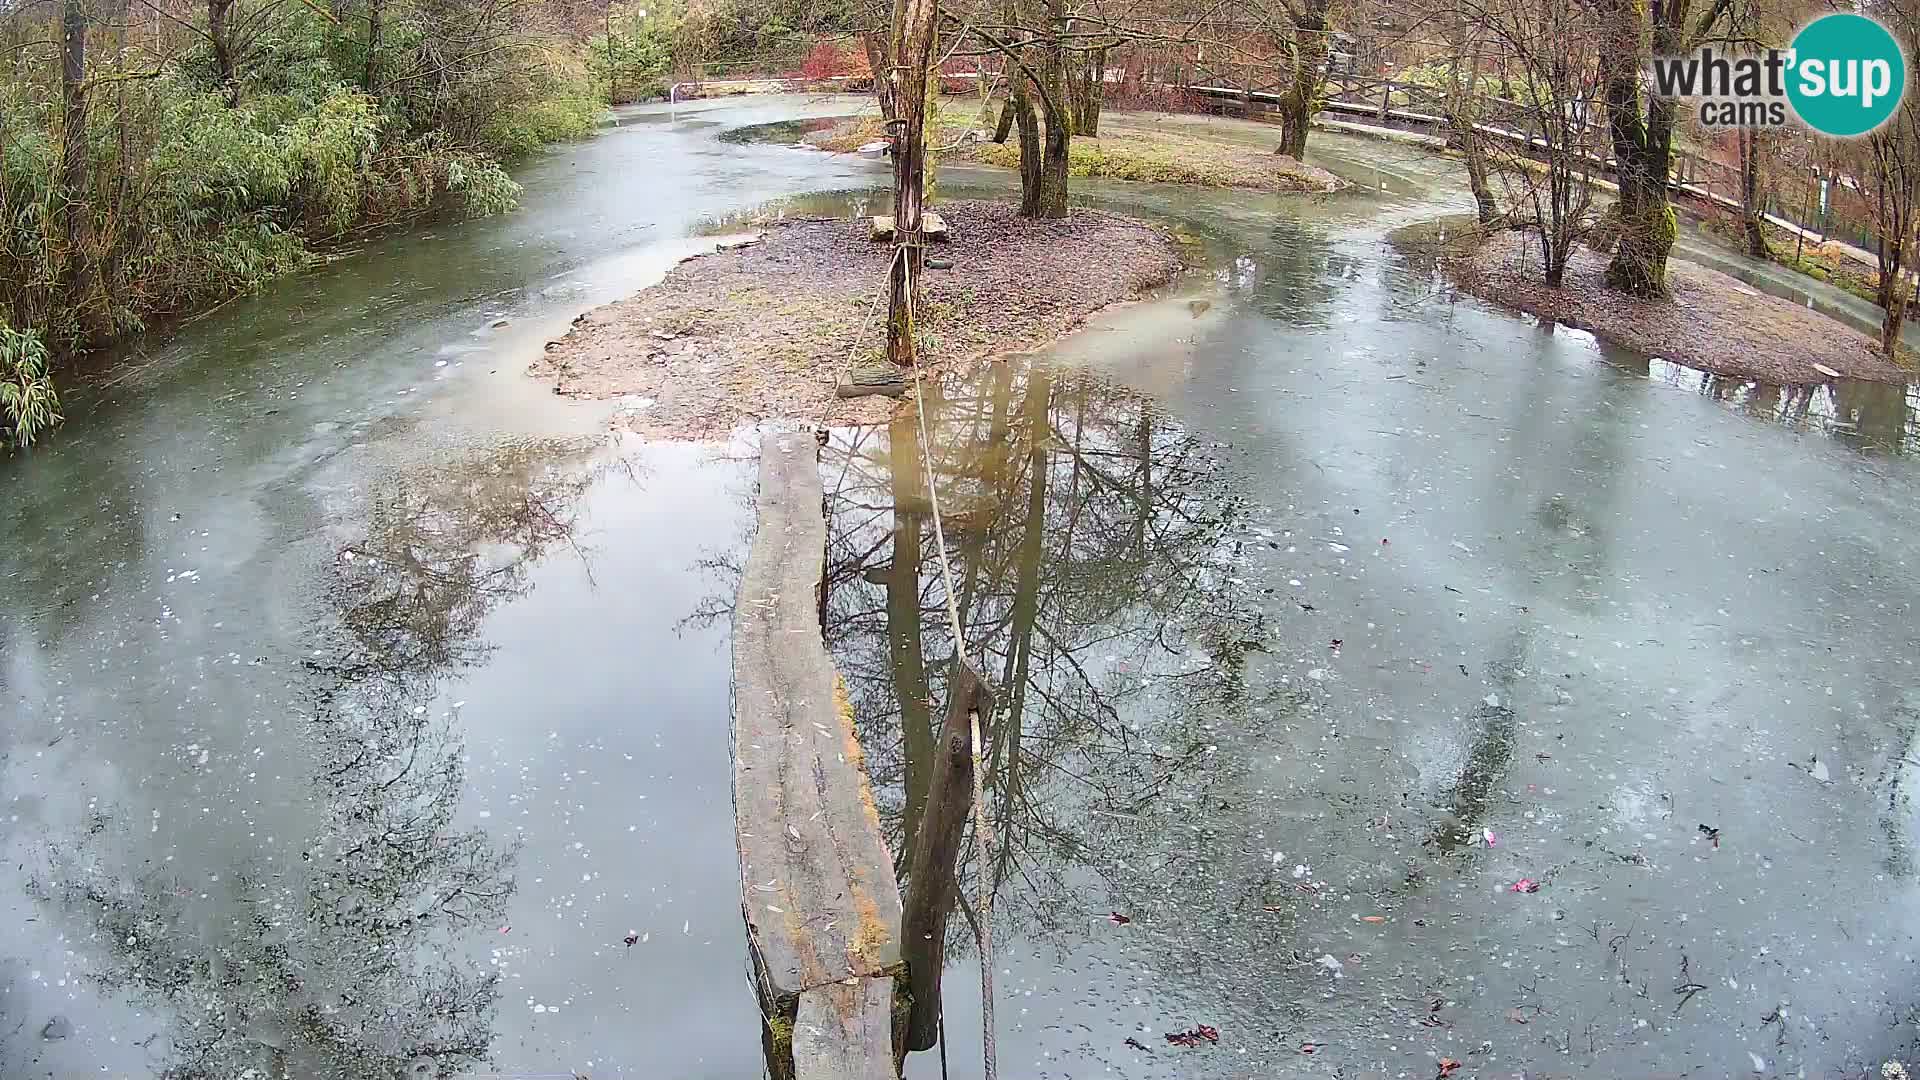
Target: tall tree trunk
point(1088, 83)
point(1642, 151)
point(1486, 208)
point(371, 78)
point(877, 62)
point(1302, 98)
point(220, 33)
point(73, 137)
point(1029, 124)
point(1750, 193)
point(1464, 117)
point(913, 24)
point(1089, 123)
point(1891, 323)
point(1050, 201)
point(1043, 192)
point(1893, 289)
point(1004, 126)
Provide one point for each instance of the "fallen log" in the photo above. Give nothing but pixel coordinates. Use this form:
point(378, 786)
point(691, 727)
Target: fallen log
point(818, 892)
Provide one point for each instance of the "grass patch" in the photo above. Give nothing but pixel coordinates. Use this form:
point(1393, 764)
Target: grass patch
point(1158, 157)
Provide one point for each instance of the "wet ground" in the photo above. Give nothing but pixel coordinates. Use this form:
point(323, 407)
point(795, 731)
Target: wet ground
point(367, 716)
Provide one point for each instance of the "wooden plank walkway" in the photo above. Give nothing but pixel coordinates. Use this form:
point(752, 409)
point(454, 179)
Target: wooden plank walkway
point(818, 890)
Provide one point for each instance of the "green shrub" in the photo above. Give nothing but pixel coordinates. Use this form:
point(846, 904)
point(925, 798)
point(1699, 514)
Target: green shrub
point(513, 135)
point(28, 403)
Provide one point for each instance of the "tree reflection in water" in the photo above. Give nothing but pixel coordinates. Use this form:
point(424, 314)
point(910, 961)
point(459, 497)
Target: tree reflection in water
point(345, 961)
point(1094, 576)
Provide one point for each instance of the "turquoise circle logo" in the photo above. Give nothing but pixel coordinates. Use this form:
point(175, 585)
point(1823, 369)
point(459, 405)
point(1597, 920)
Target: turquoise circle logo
point(1848, 74)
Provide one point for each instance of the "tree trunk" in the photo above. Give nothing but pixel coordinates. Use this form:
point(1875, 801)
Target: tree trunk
point(1043, 193)
point(1486, 208)
point(1301, 100)
point(1642, 152)
point(613, 59)
point(73, 135)
point(912, 55)
point(1890, 326)
point(1463, 114)
point(877, 62)
point(1750, 194)
point(1089, 86)
point(371, 79)
point(1893, 296)
point(1004, 126)
point(1800, 234)
point(1029, 124)
point(1050, 201)
point(220, 33)
point(1647, 226)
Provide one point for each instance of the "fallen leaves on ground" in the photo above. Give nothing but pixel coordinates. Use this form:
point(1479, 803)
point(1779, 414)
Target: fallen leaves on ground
point(1711, 323)
point(765, 331)
point(1194, 1036)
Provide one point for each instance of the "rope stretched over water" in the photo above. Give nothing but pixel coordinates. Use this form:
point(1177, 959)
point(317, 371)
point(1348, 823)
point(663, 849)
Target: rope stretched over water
point(982, 836)
point(982, 831)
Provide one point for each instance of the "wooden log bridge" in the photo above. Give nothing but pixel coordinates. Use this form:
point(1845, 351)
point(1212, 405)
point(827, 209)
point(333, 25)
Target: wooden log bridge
point(817, 884)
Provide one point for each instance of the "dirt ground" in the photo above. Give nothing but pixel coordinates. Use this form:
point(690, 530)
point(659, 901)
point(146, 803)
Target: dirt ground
point(1714, 322)
point(766, 331)
point(1130, 147)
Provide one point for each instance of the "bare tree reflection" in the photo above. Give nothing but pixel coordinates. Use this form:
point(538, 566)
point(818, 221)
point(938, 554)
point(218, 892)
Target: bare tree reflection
point(349, 960)
point(1092, 574)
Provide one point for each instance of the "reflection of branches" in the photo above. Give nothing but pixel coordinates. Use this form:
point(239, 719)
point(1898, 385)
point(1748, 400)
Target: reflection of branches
point(441, 551)
point(345, 963)
point(1085, 529)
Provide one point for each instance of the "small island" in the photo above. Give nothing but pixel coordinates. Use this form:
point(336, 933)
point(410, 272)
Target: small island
point(765, 328)
point(1712, 321)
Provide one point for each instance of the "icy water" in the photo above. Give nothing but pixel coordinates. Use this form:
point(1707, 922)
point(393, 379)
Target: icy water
point(1401, 685)
point(367, 709)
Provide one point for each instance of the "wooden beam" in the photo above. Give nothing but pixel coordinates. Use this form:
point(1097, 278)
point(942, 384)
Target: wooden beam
point(817, 887)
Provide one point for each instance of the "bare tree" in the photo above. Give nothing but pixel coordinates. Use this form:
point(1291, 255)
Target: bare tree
point(74, 20)
point(1892, 178)
point(907, 77)
point(1548, 181)
point(1463, 115)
